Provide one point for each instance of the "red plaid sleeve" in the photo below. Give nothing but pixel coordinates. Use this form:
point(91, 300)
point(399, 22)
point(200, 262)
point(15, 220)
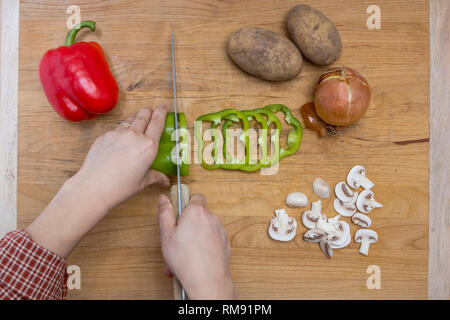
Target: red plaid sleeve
point(29, 271)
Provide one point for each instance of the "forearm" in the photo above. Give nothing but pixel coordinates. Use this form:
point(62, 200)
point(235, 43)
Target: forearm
point(68, 217)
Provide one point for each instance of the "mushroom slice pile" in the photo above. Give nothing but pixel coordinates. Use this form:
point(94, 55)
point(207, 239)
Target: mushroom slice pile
point(357, 178)
point(366, 237)
point(282, 227)
point(361, 220)
point(338, 231)
point(366, 201)
point(310, 217)
point(330, 233)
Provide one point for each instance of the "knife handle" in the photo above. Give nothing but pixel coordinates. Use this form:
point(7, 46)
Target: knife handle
point(185, 196)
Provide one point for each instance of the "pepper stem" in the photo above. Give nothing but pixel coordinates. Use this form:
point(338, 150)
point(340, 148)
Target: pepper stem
point(70, 38)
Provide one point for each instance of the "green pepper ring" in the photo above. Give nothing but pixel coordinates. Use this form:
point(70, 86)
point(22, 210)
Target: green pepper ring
point(294, 135)
point(276, 138)
point(263, 139)
point(215, 119)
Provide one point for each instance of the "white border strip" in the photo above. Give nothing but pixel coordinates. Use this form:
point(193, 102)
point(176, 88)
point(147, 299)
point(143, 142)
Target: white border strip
point(8, 114)
point(439, 222)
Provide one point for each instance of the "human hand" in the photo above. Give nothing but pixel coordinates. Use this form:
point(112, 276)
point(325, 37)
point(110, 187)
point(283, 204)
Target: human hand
point(117, 165)
point(115, 169)
point(196, 249)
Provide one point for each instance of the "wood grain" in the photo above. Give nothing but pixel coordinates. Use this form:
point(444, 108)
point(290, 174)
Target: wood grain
point(120, 257)
point(439, 265)
point(9, 29)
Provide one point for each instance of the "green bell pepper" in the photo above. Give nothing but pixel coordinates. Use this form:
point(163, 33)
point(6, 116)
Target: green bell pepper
point(165, 160)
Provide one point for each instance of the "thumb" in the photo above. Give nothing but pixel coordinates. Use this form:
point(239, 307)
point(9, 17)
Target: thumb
point(156, 177)
point(166, 217)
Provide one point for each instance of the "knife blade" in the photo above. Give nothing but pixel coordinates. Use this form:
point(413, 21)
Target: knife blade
point(181, 197)
point(174, 82)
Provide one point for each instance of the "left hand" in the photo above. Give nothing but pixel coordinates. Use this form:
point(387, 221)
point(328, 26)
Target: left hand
point(116, 168)
point(117, 165)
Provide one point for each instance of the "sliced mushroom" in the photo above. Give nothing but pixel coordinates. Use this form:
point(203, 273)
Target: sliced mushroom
point(314, 235)
point(344, 244)
point(366, 237)
point(344, 193)
point(329, 226)
point(296, 200)
point(361, 220)
point(282, 227)
point(347, 209)
point(357, 177)
point(339, 239)
point(337, 231)
point(321, 188)
point(326, 248)
point(366, 201)
point(310, 217)
point(330, 233)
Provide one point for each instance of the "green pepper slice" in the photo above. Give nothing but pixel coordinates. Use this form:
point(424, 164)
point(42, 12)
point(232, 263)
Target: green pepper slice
point(216, 119)
point(275, 138)
point(262, 140)
point(295, 133)
point(165, 160)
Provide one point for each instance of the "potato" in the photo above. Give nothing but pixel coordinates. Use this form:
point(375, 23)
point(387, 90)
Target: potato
point(264, 54)
point(314, 34)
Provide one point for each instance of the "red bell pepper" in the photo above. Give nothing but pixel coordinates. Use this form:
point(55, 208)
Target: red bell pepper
point(76, 78)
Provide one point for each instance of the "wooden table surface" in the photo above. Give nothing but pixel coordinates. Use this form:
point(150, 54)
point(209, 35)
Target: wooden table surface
point(121, 258)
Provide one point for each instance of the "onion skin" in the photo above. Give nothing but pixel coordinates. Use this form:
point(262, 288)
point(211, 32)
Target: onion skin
point(342, 96)
point(312, 120)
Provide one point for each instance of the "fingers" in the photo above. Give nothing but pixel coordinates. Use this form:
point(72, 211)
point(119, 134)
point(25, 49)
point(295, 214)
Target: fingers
point(166, 217)
point(141, 120)
point(157, 123)
point(128, 120)
point(156, 177)
point(198, 199)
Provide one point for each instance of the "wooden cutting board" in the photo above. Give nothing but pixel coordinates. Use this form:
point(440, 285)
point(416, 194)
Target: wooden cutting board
point(121, 257)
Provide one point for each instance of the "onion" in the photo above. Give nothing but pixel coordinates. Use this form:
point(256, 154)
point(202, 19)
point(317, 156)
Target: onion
point(342, 96)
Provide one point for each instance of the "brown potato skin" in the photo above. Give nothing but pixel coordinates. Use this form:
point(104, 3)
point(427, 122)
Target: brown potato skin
point(264, 54)
point(314, 34)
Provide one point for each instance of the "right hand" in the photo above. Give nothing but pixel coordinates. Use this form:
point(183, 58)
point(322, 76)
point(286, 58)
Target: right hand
point(195, 249)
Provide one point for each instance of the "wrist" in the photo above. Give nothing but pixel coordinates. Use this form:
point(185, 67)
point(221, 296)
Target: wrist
point(67, 218)
point(79, 188)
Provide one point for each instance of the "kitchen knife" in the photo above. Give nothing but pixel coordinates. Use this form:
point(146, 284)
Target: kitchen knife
point(178, 291)
point(179, 193)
